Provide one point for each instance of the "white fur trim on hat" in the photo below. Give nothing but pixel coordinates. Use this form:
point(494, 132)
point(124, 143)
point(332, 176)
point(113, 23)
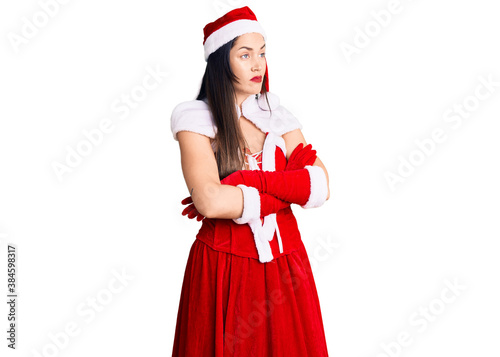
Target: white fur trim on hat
point(232, 30)
point(319, 187)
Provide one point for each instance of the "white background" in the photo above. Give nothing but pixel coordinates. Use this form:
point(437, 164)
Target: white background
point(119, 208)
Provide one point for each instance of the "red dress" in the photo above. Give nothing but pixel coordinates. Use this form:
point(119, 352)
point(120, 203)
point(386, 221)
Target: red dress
point(231, 304)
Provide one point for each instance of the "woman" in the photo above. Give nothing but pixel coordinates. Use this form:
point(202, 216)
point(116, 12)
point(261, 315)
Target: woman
point(248, 288)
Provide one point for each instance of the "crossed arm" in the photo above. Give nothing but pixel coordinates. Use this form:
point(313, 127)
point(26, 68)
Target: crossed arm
point(211, 198)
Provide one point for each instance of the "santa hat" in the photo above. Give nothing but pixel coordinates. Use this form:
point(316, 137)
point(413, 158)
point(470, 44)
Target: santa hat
point(235, 23)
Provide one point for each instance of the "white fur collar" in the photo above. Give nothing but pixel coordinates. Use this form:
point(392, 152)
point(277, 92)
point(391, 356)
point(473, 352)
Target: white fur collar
point(256, 103)
point(195, 116)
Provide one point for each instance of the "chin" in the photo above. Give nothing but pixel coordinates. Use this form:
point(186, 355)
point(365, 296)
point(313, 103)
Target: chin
point(248, 93)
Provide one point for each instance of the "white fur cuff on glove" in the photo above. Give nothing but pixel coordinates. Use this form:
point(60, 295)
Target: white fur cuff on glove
point(319, 187)
point(251, 204)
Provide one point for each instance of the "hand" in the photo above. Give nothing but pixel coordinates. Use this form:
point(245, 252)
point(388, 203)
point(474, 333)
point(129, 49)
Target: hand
point(300, 157)
point(191, 210)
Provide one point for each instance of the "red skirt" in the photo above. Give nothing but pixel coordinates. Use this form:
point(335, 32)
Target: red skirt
point(237, 306)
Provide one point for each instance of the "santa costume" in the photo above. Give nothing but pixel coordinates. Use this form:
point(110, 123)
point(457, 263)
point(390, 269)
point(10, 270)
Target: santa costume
point(248, 287)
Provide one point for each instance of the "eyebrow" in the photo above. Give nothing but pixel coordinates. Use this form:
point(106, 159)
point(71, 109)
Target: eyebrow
point(250, 49)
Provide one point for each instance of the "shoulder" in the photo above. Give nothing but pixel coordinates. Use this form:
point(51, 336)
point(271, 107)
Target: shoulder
point(280, 120)
point(194, 116)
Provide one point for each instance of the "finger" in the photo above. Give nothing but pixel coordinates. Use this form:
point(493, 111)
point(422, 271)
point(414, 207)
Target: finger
point(306, 158)
point(187, 210)
point(311, 160)
point(305, 149)
point(308, 151)
point(187, 200)
point(293, 161)
point(200, 217)
point(310, 154)
point(296, 151)
point(299, 147)
point(304, 155)
point(193, 213)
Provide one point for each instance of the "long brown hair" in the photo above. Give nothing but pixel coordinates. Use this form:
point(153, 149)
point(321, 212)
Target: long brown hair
point(218, 89)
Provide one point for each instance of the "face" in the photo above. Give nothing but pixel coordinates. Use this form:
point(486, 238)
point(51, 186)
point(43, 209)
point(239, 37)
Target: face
point(247, 60)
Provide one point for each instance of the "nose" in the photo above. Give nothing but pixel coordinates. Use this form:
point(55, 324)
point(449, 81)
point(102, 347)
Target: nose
point(257, 66)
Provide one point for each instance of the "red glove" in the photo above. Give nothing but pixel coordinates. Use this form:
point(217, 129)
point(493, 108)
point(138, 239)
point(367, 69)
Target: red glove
point(300, 157)
point(252, 198)
point(269, 204)
point(260, 204)
point(305, 186)
point(191, 210)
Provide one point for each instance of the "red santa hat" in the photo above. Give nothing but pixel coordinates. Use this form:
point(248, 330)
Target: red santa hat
point(235, 23)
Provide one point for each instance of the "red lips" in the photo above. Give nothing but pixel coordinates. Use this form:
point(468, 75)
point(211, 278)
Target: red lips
point(257, 79)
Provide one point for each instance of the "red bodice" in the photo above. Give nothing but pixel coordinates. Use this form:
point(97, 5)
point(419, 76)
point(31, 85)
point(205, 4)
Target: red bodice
point(227, 236)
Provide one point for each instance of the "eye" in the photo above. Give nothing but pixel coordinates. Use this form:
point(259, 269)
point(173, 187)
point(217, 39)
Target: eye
point(246, 54)
point(263, 54)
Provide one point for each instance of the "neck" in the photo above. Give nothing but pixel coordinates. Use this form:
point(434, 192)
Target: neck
point(240, 98)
